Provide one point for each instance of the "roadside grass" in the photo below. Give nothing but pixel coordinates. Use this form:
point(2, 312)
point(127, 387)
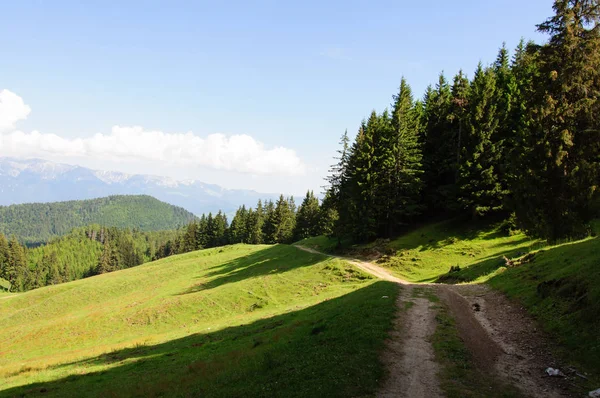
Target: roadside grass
point(559, 285)
point(425, 253)
point(234, 321)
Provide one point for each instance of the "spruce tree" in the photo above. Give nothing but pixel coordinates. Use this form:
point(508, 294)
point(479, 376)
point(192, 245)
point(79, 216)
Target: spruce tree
point(560, 158)
point(408, 168)
point(459, 111)
point(255, 225)
point(307, 219)
point(339, 191)
point(361, 214)
point(439, 150)
point(269, 225)
point(4, 263)
point(481, 190)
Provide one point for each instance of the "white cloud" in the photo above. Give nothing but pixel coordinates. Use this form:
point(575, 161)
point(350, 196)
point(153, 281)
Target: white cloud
point(239, 153)
point(12, 109)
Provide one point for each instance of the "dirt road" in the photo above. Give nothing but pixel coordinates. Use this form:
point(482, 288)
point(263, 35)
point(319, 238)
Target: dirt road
point(502, 339)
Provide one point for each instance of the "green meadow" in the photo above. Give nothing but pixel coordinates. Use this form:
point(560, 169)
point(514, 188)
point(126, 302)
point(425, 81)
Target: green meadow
point(231, 321)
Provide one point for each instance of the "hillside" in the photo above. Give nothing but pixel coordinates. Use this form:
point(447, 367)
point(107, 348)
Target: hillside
point(228, 321)
point(37, 223)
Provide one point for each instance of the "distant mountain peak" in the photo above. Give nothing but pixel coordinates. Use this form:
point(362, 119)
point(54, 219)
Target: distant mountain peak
point(39, 180)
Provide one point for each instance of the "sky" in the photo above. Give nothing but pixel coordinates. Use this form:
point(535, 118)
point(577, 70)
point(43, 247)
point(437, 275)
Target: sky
point(248, 94)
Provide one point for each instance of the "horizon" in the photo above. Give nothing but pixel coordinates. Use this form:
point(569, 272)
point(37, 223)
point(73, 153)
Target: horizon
point(255, 97)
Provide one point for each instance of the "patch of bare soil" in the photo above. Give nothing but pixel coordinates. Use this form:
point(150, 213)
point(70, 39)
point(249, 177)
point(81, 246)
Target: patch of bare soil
point(409, 356)
point(517, 349)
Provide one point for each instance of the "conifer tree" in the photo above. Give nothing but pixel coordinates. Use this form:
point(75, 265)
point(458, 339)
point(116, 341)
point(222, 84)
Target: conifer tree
point(361, 212)
point(337, 206)
point(17, 270)
point(269, 225)
point(408, 168)
point(458, 114)
point(481, 190)
point(439, 150)
point(307, 219)
point(560, 158)
point(237, 230)
point(4, 263)
point(283, 221)
point(255, 227)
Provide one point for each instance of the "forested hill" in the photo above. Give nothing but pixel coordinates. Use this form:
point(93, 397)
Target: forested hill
point(38, 222)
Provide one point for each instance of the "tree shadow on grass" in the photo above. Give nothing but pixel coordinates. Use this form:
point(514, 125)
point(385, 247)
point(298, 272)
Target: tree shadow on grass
point(272, 260)
point(485, 266)
point(329, 349)
point(444, 233)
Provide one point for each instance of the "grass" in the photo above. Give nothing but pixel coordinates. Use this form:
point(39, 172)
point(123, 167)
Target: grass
point(233, 321)
point(559, 285)
point(459, 376)
point(426, 253)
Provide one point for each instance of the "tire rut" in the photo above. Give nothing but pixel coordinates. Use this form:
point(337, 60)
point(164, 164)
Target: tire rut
point(503, 339)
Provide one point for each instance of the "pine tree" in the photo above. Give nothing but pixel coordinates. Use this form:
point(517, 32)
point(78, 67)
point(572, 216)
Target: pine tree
point(18, 271)
point(190, 240)
point(237, 231)
point(408, 168)
point(269, 225)
point(283, 220)
point(255, 225)
point(202, 233)
point(217, 230)
point(4, 263)
point(362, 220)
point(560, 167)
point(459, 111)
point(481, 190)
point(439, 150)
point(307, 219)
point(109, 259)
point(339, 191)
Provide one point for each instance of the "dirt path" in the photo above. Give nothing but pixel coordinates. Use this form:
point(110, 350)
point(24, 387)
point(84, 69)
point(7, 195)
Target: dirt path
point(503, 339)
point(409, 357)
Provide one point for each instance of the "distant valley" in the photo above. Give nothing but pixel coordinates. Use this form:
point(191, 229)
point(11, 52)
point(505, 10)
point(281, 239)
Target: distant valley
point(36, 180)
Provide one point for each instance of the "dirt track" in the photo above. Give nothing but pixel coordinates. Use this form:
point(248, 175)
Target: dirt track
point(502, 338)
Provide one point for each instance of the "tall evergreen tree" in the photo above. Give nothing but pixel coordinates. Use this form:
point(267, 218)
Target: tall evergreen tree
point(361, 213)
point(408, 168)
point(439, 150)
point(560, 158)
point(338, 190)
point(4, 263)
point(283, 221)
point(481, 190)
point(255, 225)
point(307, 219)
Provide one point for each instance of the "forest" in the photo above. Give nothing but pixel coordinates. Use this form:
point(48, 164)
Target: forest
point(37, 223)
point(518, 142)
point(97, 249)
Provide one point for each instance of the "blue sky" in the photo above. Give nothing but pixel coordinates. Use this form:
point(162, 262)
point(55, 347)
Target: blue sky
point(285, 74)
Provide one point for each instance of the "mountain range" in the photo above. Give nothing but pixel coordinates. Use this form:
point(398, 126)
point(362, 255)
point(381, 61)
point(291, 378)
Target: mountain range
point(39, 181)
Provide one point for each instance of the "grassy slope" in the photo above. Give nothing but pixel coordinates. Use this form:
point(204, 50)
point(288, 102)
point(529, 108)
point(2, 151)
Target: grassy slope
point(560, 286)
point(424, 254)
point(223, 322)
